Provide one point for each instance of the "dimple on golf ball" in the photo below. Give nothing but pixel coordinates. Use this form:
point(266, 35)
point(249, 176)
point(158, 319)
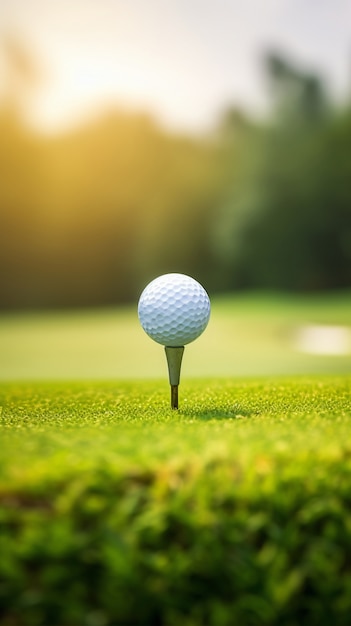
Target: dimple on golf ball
point(174, 309)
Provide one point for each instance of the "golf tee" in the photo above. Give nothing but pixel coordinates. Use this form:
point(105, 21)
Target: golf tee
point(174, 360)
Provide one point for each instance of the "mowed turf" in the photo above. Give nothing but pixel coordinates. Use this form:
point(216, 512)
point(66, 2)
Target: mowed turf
point(65, 427)
point(234, 510)
point(248, 335)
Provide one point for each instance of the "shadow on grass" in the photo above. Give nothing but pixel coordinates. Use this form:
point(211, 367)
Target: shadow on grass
point(236, 412)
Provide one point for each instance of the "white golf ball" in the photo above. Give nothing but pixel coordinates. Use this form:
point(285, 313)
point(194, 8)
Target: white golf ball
point(174, 309)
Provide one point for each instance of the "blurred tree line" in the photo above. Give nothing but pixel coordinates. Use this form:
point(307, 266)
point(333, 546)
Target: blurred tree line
point(89, 216)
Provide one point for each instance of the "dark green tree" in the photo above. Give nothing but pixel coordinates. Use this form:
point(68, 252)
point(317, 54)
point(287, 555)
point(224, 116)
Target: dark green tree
point(285, 223)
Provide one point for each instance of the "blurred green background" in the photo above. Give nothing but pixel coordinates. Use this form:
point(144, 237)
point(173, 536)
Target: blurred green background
point(255, 204)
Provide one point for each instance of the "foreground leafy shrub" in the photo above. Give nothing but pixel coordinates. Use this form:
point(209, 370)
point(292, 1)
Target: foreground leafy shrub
point(195, 545)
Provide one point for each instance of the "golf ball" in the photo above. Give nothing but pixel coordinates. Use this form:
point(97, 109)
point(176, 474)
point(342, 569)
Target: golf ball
point(174, 309)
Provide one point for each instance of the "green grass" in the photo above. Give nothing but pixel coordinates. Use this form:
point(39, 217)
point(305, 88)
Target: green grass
point(248, 335)
point(130, 423)
point(235, 510)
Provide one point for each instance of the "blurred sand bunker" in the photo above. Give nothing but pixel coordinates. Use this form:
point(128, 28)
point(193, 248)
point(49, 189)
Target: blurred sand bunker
point(319, 339)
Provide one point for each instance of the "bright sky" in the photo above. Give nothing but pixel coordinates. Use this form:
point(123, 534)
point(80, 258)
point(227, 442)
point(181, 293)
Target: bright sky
point(183, 60)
